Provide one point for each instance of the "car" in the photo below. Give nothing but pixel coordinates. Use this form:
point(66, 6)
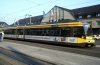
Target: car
point(96, 37)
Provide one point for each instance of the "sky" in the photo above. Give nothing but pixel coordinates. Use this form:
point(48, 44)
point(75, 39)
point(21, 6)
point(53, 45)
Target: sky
point(13, 10)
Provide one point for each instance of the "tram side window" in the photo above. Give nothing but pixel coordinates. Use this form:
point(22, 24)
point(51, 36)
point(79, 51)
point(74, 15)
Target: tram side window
point(26, 31)
point(20, 31)
point(39, 31)
point(29, 31)
point(6, 31)
point(51, 32)
point(13, 31)
point(56, 32)
point(78, 32)
point(47, 32)
point(66, 32)
point(9, 31)
point(43, 31)
point(33, 31)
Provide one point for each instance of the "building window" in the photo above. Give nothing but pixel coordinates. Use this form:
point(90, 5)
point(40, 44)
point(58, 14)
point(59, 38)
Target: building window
point(88, 16)
point(98, 23)
point(98, 15)
point(80, 17)
point(90, 22)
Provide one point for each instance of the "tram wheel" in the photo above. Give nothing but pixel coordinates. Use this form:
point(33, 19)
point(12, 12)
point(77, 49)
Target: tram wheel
point(89, 45)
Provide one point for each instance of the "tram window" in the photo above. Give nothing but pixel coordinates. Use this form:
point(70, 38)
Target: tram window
point(6, 31)
point(38, 31)
point(31, 31)
point(66, 32)
point(78, 31)
point(43, 31)
point(51, 32)
point(47, 32)
point(56, 31)
point(20, 31)
point(9, 31)
point(26, 31)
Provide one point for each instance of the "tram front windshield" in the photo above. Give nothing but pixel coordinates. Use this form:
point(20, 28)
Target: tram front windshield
point(88, 30)
point(82, 31)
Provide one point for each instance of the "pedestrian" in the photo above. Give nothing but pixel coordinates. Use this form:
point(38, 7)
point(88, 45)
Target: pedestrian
point(1, 36)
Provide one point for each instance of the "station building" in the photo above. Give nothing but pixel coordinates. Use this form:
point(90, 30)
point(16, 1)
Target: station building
point(56, 14)
point(90, 14)
point(3, 24)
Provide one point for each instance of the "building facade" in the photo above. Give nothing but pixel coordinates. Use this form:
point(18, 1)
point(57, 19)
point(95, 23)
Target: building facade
point(3, 24)
point(58, 13)
point(91, 15)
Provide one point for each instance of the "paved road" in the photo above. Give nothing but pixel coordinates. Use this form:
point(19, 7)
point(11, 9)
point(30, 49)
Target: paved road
point(97, 42)
point(11, 58)
point(53, 56)
point(95, 51)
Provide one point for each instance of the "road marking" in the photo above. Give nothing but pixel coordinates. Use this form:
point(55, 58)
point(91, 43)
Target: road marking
point(97, 45)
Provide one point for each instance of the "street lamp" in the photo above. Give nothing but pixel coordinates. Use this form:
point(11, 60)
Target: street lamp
point(29, 17)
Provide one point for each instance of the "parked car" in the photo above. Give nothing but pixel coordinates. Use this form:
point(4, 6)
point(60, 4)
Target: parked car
point(96, 37)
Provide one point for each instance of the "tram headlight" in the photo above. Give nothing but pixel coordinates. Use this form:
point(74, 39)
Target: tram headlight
point(84, 37)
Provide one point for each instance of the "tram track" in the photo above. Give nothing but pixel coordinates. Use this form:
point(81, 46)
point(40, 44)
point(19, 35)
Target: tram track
point(94, 51)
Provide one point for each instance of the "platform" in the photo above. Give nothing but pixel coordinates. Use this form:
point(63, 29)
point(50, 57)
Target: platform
point(53, 56)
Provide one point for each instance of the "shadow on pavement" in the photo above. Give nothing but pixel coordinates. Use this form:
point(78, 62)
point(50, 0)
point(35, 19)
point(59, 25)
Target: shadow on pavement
point(24, 58)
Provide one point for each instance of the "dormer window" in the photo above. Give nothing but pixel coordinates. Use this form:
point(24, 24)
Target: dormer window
point(80, 17)
point(98, 15)
point(88, 16)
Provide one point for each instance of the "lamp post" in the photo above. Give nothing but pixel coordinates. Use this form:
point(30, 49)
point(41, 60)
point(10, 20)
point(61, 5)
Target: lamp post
point(29, 17)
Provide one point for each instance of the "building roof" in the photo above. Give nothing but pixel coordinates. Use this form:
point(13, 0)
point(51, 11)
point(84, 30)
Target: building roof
point(25, 21)
point(2, 23)
point(78, 11)
point(87, 10)
point(67, 10)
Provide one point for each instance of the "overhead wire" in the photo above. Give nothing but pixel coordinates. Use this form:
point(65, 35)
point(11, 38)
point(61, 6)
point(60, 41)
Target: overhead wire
point(47, 3)
point(83, 3)
point(74, 4)
point(30, 8)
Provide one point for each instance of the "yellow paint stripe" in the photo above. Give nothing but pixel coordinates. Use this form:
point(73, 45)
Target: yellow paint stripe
point(70, 24)
point(38, 26)
point(8, 28)
point(47, 25)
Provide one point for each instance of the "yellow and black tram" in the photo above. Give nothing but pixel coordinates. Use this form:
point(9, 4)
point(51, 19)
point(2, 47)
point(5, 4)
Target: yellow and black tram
point(73, 33)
